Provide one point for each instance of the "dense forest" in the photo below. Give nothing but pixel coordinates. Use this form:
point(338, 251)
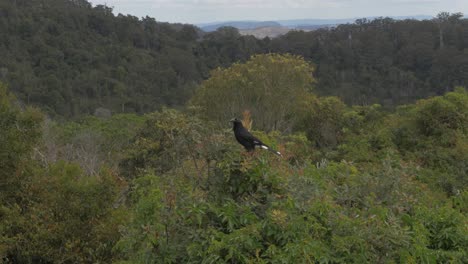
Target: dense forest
point(356, 184)
point(115, 145)
point(71, 58)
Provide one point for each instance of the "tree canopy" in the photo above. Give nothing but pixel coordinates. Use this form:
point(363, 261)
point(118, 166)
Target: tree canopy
point(358, 182)
point(71, 58)
point(355, 185)
point(271, 87)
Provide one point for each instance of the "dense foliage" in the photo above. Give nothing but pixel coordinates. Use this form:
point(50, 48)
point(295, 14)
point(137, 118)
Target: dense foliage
point(70, 58)
point(355, 184)
point(386, 61)
point(271, 87)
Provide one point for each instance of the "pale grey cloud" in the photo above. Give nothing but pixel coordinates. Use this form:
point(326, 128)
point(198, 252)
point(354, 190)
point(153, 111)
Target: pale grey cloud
point(195, 11)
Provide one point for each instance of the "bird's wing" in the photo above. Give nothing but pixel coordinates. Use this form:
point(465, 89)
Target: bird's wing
point(256, 141)
point(246, 135)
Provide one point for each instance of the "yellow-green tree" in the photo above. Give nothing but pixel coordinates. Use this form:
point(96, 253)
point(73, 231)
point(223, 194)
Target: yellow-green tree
point(270, 86)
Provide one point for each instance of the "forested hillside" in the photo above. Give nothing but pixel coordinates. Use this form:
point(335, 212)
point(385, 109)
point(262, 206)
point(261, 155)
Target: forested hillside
point(386, 61)
point(70, 58)
point(355, 184)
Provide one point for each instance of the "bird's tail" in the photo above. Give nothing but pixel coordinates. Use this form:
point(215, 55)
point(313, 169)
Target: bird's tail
point(263, 146)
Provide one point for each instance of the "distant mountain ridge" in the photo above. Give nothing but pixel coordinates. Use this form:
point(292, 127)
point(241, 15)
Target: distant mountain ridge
point(294, 23)
point(262, 32)
point(238, 24)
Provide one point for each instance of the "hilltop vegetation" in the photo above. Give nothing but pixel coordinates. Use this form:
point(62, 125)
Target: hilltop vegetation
point(70, 58)
point(371, 118)
point(357, 184)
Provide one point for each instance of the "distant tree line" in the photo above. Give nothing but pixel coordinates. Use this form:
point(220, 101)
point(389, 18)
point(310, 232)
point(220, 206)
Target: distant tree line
point(384, 60)
point(71, 58)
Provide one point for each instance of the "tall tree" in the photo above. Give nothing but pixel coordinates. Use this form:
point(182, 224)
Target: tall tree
point(270, 86)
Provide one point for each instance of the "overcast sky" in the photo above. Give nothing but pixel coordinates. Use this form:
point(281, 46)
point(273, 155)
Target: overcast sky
point(198, 11)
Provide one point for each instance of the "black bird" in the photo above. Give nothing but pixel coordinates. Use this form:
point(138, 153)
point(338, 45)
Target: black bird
point(246, 139)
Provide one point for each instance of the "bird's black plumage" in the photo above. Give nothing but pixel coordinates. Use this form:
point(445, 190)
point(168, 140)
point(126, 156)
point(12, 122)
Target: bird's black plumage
point(246, 139)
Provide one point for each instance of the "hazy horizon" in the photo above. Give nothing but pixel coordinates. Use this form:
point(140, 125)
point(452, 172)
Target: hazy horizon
point(307, 19)
point(207, 11)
